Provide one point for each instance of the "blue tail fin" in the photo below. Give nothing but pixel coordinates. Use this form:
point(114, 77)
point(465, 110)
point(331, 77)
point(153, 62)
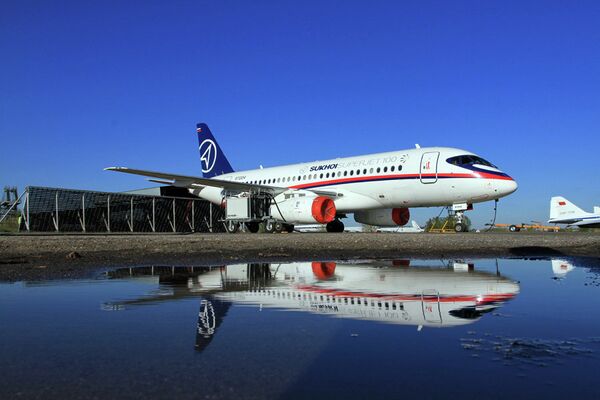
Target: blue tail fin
point(212, 158)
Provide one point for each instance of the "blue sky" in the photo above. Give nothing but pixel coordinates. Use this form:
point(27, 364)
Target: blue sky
point(85, 85)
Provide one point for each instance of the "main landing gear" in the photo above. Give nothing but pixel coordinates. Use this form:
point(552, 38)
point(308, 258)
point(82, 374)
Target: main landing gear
point(271, 226)
point(274, 226)
point(335, 226)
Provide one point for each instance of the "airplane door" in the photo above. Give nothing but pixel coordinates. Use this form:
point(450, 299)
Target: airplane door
point(429, 163)
point(430, 301)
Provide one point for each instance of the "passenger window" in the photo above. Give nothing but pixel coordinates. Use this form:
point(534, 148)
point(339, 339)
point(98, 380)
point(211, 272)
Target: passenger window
point(378, 170)
point(345, 173)
point(358, 172)
point(327, 175)
point(392, 168)
point(384, 169)
point(351, 172)
point(371, 171)
point(399, 167)
point(364, 171)
point(321, 176)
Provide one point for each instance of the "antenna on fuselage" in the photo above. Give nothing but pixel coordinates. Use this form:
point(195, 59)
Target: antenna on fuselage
point(417, 146)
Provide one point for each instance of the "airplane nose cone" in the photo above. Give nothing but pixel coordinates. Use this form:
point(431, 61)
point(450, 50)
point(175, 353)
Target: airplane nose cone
point(508, 186)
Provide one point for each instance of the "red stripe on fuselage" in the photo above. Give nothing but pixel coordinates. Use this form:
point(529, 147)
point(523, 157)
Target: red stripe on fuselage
point(359, 179)
point(479, 299)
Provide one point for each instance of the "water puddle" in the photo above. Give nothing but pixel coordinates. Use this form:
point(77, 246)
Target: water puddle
point(433, 328)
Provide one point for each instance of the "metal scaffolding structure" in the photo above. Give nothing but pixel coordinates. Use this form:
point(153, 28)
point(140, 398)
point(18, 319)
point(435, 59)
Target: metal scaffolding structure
point(66, 210)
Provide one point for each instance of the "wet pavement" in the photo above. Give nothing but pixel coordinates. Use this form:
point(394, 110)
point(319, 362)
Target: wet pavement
point(483, 328)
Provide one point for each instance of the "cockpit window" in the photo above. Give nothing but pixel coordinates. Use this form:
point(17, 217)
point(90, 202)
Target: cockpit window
point(469, 159)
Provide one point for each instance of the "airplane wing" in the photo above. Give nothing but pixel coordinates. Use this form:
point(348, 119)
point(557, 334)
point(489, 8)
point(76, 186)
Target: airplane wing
point(197, 182)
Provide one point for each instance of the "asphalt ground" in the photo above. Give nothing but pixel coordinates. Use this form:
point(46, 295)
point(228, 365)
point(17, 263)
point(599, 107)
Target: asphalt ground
point(40, 257)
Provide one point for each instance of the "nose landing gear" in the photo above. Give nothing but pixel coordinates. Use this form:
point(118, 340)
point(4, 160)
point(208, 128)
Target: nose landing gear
point(458, 224)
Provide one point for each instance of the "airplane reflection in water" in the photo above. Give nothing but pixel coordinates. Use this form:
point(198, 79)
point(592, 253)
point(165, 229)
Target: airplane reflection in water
point(389, 292)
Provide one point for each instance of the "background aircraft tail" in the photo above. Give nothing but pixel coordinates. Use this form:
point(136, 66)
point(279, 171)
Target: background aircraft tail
point(561, 207)
point(212, 158)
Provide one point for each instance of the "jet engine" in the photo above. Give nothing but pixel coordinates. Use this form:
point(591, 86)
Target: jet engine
point(305, 210)
point(383, 217)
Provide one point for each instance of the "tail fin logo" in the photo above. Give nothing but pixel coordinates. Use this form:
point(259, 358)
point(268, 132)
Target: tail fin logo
point(208, 155)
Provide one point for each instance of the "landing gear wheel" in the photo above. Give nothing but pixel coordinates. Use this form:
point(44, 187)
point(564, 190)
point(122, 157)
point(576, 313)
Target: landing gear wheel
point(231, 226)
point(269, 226)
point(252, 227)
point(459, 228)
point(514, 228)
point(278, 227)
point(335, 226)
point(288, 228)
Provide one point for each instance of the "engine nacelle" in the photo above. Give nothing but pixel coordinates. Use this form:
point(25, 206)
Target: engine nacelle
point(212, 194)
point(305, 210)
point(383, 217)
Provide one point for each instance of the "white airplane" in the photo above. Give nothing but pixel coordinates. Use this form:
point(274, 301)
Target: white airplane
point(562, 211)
point(377, 188)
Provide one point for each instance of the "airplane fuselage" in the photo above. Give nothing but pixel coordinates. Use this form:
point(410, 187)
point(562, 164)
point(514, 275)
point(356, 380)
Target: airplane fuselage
point(421, 177)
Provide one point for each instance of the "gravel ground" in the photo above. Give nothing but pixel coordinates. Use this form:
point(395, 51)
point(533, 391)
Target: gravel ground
point(38, 257)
